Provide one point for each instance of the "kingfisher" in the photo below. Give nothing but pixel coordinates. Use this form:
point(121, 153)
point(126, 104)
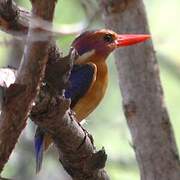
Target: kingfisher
point(89, 76)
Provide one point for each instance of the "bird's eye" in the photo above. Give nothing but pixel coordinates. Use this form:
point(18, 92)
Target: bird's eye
point(108, 38)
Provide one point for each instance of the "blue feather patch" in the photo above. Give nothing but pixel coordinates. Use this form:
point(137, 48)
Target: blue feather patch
point(80, 81)
point(39, 147)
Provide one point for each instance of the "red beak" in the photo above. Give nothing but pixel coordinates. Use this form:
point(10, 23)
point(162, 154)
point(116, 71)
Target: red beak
point(130, 39)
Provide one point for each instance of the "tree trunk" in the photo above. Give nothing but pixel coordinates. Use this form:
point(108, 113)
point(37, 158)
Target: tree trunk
point(140, 85)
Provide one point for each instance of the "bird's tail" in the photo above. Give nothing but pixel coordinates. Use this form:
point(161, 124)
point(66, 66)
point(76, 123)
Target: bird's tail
point(39, 148)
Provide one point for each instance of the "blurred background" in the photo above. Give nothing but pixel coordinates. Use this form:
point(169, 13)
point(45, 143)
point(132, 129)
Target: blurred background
point(107, 124)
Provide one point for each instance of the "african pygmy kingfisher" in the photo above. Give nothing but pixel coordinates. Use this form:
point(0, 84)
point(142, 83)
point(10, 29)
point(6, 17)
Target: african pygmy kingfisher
point(89, 75)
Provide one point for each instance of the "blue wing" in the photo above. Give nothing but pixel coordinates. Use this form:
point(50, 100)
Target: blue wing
point(81, 79)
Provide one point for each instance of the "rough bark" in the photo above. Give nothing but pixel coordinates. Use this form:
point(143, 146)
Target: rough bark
point(20, 95)
point(51, 110)
point(142, 94)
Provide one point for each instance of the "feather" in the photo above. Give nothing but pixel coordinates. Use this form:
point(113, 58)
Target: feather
point(39, 147)
point(81, 79)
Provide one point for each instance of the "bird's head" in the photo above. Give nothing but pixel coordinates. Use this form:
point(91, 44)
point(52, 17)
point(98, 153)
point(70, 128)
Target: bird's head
point(100, 43)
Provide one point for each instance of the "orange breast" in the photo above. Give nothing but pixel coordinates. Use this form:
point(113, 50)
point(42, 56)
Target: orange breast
point(93, 97)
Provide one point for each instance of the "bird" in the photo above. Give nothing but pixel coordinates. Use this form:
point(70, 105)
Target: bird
point(89, 76)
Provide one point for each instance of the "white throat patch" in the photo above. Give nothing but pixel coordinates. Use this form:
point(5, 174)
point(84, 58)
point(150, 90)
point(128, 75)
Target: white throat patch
point(85, 56)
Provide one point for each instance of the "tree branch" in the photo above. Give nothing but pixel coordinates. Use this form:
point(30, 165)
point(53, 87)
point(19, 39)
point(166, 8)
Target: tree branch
point(140, 85)
point(20, 95)
point(13, 19)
